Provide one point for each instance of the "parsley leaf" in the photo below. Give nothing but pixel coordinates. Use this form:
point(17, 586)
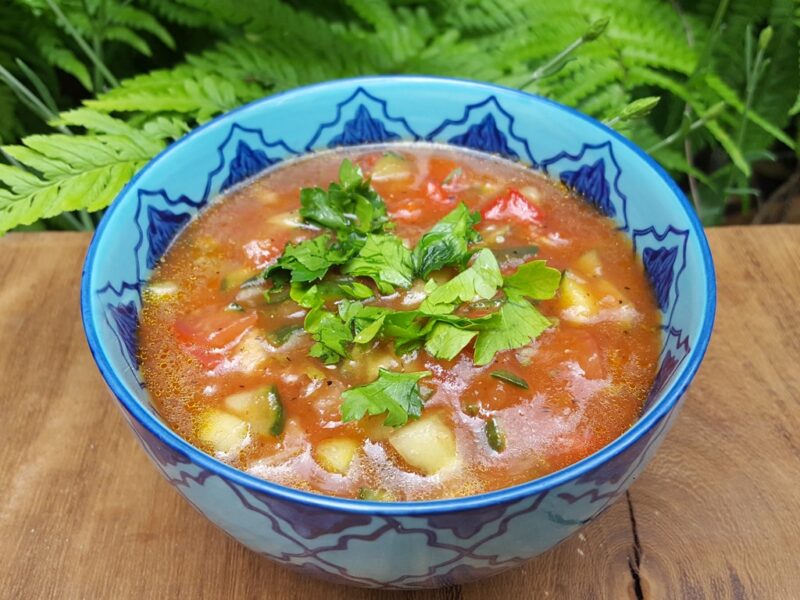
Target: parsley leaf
point(349, 205)
point(310, 259)
point(480, 280)
point(446, 341)
point(384, 259)
point(447, 242)
point(533, 279)
point(330, 334)
point(396, 394)
point(516, 324)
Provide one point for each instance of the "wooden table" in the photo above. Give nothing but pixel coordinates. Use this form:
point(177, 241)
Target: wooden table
point(716, 515)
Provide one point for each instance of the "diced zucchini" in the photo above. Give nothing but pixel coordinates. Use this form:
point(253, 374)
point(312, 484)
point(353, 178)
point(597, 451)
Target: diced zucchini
point(236, 278)
point(379, 495)
point(589, 264)
point(161, 289)
point(579, 304)
point(391, 167)
point(428, 444)
point(276, 295)
point(495, 436)
point(283, 334)
point(262, 408)
point(250, 354)
point(336, 454)
point(223, 431)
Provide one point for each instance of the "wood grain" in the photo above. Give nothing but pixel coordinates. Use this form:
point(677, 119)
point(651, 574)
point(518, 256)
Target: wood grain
point(84, 515)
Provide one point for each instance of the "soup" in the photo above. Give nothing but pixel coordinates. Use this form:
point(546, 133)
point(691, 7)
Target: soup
point(399, 322)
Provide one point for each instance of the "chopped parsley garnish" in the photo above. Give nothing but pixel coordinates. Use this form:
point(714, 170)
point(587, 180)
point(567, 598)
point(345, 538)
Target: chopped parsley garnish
point(349, 205)
point(310, 259)
point(447, 242)
point(516, 324)
point(479, 281)
point(445, 341)
point(384, 259)
point(534, 280)
point(396, 394)
point(320, 274)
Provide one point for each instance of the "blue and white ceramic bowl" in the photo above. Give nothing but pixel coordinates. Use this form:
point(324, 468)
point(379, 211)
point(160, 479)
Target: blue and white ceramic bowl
point(400, 544)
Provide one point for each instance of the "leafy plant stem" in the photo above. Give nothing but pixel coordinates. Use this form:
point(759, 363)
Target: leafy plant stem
point(91, 55)
point(754, 70)
point(30, 99)
point(710, 114)
point(554, 64)
point(74, 223)
point(711, 39)
point(85, 220)
point(44, 94)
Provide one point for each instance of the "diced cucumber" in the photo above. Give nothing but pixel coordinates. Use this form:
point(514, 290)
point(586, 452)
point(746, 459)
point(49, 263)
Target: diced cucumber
point(236, 278)
point(589, 264)
point(428, 444)
point(262, 408)
point(234, 307)
point(250, 355)
point(283, 334)
point(494, 435)
point(379, 495)
point(223, 431)
point(390, 167)
point(336, 454)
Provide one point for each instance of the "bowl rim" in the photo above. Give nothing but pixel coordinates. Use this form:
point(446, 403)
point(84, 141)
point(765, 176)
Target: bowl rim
point(165, 435)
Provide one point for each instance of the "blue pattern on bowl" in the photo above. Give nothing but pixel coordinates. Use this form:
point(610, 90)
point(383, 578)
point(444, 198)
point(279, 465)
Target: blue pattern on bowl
point(430, 543)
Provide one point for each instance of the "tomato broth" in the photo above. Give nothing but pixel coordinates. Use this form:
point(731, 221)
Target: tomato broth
point(226, 353)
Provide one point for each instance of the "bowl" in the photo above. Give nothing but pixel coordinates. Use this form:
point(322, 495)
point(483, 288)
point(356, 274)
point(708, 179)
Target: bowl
point(400, 544)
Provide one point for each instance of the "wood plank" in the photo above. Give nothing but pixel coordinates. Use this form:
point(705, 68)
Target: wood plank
point(84, 514)
point(716, 510)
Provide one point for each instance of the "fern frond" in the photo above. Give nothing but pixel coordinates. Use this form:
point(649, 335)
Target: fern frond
point(68, 173)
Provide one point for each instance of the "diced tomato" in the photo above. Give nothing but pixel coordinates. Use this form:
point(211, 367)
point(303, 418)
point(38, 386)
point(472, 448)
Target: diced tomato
point(211, 327)
point(511, 206)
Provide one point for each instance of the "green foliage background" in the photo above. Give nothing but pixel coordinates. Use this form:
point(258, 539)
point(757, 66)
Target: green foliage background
point(94, 88)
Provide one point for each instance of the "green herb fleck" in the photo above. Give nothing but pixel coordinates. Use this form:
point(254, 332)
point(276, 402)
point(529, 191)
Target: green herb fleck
point(511, 378)
point(495, 435)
